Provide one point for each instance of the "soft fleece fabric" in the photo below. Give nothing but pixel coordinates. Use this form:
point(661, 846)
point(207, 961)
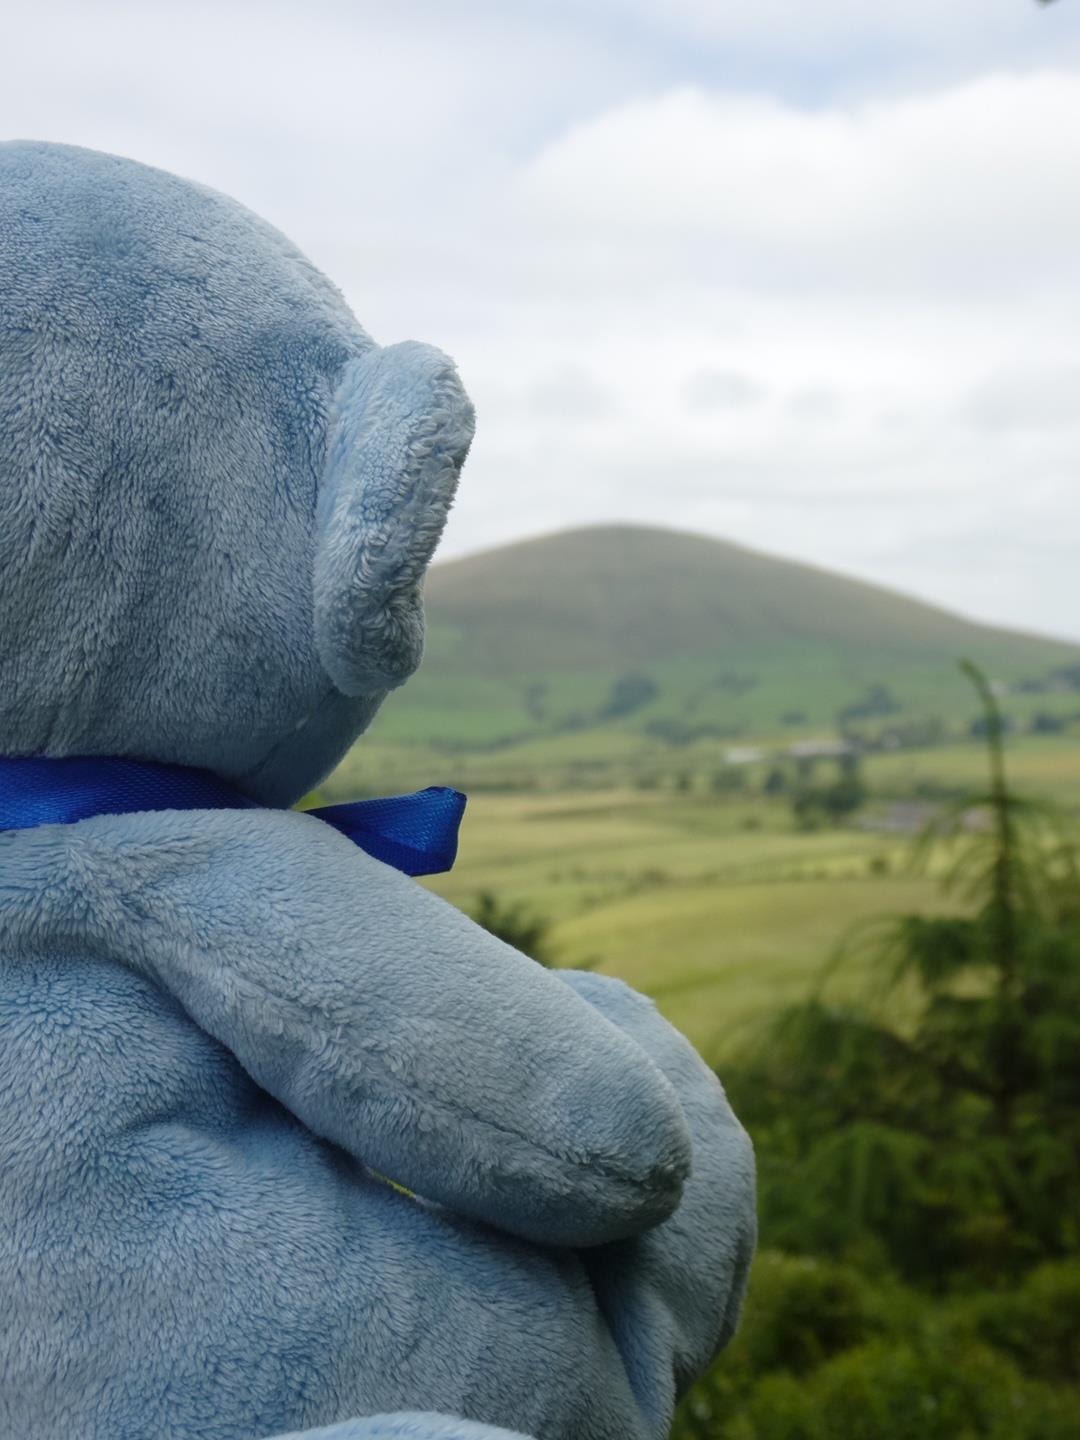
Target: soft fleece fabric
point(218, 1030)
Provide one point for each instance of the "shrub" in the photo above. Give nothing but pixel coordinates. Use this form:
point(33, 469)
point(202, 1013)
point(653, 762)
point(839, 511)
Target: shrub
point(800, 1312)
point(515, 925)
point(628, 694)
point(1037, 1325)
point(889, 1391)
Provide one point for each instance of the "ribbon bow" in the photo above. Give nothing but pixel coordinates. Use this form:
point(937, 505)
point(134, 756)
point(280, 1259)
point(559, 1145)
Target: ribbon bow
point(417, 833)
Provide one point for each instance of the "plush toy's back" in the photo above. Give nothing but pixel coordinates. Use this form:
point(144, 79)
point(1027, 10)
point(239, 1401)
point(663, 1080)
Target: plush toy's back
point(220, 1030)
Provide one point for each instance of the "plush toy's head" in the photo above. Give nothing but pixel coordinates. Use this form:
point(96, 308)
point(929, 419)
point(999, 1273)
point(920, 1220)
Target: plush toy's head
point(217, 495)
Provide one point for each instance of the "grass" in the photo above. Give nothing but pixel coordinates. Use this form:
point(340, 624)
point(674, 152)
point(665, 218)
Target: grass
point(745, 695)
point(1048, 766)
point(674, 894)
point(533, 641)
point(618, 760)
point(719, 958)
point(712, 903)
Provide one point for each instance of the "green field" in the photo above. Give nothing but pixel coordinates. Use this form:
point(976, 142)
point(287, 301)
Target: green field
point(717, 923)
point(716, 905)
point(607, 760)
point(1045, 766)
point(713, 903)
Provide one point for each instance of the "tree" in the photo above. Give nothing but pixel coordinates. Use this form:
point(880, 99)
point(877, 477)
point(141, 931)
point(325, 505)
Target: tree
point(814, 805)
point(776, 781)
point(935, 1128)
point(628, 694)
point(515, 925)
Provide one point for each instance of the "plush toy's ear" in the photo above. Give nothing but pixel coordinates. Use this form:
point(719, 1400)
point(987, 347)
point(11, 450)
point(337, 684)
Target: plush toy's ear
point(399, 434)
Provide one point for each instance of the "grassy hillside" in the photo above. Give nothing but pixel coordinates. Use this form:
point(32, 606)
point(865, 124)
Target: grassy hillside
point(678, 638)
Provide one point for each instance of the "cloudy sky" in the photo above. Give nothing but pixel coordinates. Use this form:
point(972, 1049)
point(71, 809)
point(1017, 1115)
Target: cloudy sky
point(801, 273)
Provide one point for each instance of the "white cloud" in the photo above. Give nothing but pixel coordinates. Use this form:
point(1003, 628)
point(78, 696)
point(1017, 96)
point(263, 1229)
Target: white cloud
point(787, 25)
point(1038, 399)
point(568, 395)
point(804, 275)
point(966, 186)
point(901, 279)
point(707, 391)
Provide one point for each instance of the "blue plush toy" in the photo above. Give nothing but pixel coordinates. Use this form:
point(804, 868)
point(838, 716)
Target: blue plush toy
point(221, 1020)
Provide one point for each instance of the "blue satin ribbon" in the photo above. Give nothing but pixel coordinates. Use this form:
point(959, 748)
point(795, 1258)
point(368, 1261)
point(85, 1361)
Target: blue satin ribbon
point(417, 834)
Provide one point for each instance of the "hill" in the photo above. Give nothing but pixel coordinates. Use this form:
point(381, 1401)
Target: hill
point(622, 631)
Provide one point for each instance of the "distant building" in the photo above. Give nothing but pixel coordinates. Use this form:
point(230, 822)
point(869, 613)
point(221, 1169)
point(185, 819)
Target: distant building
point(743, 755)
point(820, 749)
point(903, 817)
point(911, 817)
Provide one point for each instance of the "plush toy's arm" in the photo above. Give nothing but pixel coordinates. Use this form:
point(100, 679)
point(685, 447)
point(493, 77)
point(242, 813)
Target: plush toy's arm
point(390, 1024)
point(671, 1297)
